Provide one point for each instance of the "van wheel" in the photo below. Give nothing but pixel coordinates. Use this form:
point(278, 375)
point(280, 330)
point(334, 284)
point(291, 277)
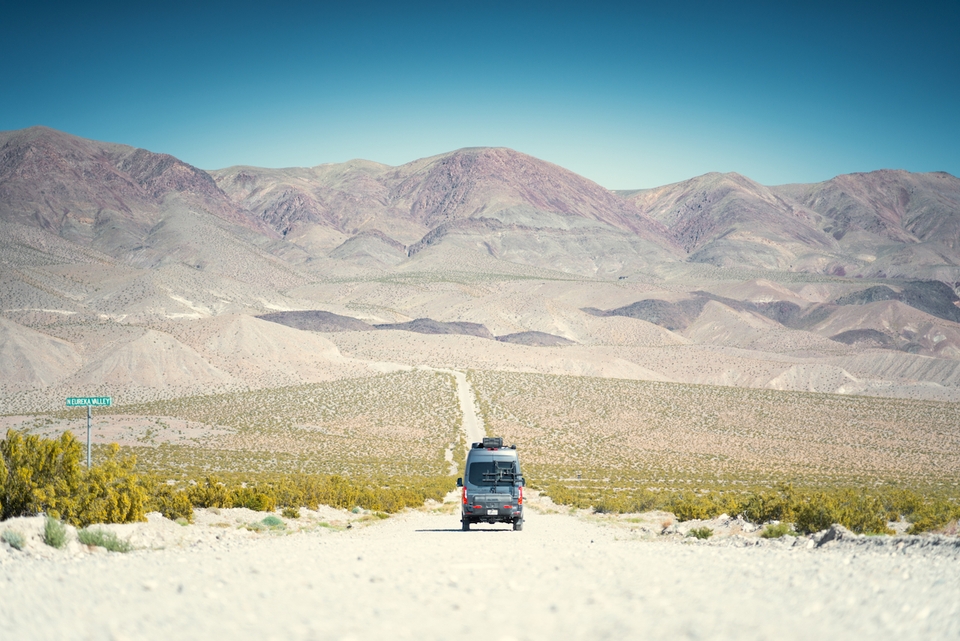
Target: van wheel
point(465, 524)
point(518, 525)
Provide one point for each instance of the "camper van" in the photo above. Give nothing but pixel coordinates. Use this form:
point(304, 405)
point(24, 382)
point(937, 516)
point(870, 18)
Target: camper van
point(492, 488)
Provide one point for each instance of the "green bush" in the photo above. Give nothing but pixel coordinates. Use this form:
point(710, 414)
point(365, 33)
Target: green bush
point(933, 515)
point(778, 530)
point(291, 512)
point(268, 523)
point(700, 533)
point(273, 522)
point(41, 475)
point(861, 510)
point(168, 500)
point(251, 498)
point(211, 492)
point(103, 539)
point(689, 506)
point(54, 532)
point(15, 540)
point(856, 510)
point(641, 500)
point(110, 493)
point(777, 505)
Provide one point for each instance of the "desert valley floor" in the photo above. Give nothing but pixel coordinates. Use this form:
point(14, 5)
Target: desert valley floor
point(417, 576)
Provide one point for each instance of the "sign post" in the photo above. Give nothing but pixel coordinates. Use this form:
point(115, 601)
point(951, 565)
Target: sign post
point(88, 402)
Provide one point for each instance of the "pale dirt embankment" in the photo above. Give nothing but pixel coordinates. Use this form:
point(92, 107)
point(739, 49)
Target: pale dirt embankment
point(417, 576)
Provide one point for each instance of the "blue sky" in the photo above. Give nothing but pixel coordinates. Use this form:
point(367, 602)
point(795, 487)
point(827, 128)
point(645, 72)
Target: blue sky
point(628, 95)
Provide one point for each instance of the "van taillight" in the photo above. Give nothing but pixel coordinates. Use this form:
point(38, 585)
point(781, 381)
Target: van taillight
point(520, 500)
point(464, 494)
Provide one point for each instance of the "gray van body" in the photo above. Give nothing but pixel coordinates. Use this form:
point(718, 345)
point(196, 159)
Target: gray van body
point(493, 485)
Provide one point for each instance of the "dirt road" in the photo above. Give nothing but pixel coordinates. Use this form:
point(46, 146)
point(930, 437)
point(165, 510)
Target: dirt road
point(417, 576)
point(472, 423)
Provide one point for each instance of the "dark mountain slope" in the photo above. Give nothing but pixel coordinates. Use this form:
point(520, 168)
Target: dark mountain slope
point(727, 219)
point(894, 205)
point(83, 189)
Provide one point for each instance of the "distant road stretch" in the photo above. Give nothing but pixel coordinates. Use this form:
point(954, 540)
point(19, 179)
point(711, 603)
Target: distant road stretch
point(472, 423)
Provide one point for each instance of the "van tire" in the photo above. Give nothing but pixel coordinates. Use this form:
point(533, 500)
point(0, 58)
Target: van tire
point(518, 525)
point(465, 524)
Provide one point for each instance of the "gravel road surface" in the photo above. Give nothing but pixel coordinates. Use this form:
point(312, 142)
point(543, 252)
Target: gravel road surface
point(417, 576)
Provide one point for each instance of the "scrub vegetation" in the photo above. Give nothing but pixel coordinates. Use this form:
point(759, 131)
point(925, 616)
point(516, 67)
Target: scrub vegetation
point(102, 538)
point(701, 451)
point(41, 475)
point(54, 532)
point(391, 425)
point(803, 461)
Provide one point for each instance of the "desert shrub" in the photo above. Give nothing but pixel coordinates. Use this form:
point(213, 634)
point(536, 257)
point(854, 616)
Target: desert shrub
point(15, 540)
point(103, 539)
point(562, 494)
point(253, 499)
point(110, 493)
point(268, 523)
point(267, 492)
point(902, 504)
point(604, 500)
point(700, 533)
point(38, 474)
point(776, 531)
point(688, 506)
point(777, 505)
point(54, 532)
point(291, 512)
point(862, 510)
point(168, 500)
point(641, 500)
point(932, 515)
point(856, 510)
point(45, 475)
point(211, 492)
point(273, 522)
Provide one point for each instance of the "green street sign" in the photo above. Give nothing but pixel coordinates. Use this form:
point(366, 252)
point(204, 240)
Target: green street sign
point(88, 401)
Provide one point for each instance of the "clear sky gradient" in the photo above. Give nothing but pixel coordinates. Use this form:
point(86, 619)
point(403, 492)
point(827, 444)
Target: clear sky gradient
point(629, 95)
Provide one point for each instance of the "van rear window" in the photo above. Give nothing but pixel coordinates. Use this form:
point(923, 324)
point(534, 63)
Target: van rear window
point(491, 472)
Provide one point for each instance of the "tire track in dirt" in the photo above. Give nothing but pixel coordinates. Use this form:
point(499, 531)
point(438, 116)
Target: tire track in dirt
point(472, 423)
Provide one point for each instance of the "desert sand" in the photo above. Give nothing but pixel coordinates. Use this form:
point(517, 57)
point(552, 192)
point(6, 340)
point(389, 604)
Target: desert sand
point(416, 575)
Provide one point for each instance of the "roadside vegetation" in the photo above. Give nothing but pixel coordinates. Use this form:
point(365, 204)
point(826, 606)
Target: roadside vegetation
point(45, 476)
point(791, 461)
point(811, 509)
point(698, 451)
point(396, 424)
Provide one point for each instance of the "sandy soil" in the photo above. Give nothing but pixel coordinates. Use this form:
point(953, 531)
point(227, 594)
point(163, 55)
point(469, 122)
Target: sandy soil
point(416, 575)
point(122, 429)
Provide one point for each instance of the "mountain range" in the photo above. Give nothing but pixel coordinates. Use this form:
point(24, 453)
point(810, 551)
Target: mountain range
point(128, 268)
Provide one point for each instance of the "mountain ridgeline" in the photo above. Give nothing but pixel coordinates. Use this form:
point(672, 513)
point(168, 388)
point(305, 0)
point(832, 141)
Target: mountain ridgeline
point(516, 208)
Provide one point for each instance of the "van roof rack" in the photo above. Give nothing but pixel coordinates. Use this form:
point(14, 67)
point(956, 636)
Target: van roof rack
point(492, 442)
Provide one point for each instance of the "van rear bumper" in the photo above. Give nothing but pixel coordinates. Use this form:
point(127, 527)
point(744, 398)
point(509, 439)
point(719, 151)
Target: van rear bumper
point(492, 514)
